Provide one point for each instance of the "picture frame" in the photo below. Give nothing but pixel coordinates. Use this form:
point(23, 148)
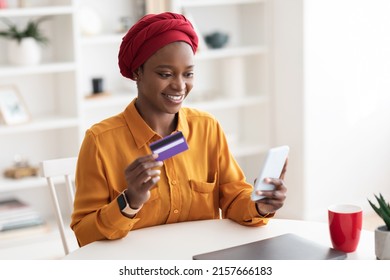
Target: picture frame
point(12, 107)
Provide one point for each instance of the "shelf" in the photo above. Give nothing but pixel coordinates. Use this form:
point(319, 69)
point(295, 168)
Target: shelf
point(205, 3)
point(44, 245)
point(103, 39)
point(244, 149)
point(40, 124)
point(116, 99)
point(33, 182)
point(227, 103)
point(230, 52)
point(218, 103)
point(36, 11)
point(46, 68)
point(11, 185)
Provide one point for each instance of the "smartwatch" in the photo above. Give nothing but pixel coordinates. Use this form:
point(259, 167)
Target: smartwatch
point(124, 205)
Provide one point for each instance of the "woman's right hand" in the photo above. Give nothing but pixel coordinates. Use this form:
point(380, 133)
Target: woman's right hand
point(141, 175)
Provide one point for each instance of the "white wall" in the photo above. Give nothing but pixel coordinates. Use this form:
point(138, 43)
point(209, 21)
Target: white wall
point(288, 98)
point(332, 77)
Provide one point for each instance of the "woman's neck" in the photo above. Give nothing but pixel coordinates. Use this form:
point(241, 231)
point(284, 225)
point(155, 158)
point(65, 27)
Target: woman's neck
point(163, 124)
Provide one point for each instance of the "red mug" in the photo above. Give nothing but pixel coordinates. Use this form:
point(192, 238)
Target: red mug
point(345, 225)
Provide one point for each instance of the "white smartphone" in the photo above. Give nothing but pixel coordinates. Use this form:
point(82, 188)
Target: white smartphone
point(272, 168)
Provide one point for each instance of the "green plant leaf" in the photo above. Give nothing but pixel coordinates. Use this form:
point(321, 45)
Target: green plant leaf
point(383, 205)
point(31, 30)
point(383, 210)
point(376, 209)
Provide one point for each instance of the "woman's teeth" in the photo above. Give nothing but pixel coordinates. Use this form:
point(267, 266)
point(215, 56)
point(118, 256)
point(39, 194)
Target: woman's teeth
point(175, 97)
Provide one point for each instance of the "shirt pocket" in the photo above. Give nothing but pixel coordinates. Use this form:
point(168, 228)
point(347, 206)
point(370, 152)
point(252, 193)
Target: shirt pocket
point(204, 199)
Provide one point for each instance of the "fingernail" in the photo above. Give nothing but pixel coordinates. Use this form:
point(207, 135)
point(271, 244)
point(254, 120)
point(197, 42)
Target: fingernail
point(259, 192)
point(267, 180)
point(156, 179)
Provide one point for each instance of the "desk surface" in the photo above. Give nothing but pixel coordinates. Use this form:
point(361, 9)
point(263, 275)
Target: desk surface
point(183, 240)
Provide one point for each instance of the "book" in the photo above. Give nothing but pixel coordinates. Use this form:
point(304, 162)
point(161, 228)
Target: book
point(15, 214)
point(25, 231)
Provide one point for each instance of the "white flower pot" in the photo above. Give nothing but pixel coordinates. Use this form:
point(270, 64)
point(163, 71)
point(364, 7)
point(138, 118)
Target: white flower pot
point(382, 243)
point(27, 52)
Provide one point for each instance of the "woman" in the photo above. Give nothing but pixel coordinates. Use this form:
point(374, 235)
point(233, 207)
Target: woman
point(120, 184)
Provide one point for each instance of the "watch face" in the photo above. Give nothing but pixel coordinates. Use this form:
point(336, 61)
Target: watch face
point(121, 202)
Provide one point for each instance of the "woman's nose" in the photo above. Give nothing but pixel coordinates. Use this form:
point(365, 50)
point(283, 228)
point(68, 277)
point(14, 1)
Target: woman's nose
point(178, 84)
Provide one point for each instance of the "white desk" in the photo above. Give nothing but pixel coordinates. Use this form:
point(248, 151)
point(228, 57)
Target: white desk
point(183, 240)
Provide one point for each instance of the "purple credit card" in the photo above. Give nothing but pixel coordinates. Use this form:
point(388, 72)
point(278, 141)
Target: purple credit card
point(169, 146)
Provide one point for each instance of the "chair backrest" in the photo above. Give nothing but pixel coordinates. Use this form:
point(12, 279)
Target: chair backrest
point(64, 168)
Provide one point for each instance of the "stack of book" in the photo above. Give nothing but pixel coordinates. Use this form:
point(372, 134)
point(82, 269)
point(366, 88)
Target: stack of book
point(17, 217)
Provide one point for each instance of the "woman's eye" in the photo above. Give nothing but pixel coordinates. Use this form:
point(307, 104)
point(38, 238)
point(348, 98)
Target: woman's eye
point(189, 75)
point(165, 75)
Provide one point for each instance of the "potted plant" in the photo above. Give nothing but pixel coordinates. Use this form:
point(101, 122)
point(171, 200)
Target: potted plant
point(382, 233)
point(24, 46)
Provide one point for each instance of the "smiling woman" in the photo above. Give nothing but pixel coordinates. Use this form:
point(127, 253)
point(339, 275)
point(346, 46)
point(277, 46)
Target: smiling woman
point(123, 185)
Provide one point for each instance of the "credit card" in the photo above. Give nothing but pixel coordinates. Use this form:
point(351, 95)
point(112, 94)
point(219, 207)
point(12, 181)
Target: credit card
point(169, 146)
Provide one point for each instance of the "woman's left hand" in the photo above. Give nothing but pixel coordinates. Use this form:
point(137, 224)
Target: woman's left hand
point(273, 199)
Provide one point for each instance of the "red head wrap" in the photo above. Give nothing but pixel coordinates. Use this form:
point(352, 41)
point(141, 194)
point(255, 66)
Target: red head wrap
point(151, 33)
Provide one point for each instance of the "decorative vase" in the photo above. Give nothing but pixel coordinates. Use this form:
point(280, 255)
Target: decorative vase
point(217, 39)
point(90, 21)
point(382, 243)
point(26, 52)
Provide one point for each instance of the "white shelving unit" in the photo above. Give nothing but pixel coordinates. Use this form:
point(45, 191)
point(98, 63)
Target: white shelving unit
point(50, 92)
point(99, 59)
point(232, 83)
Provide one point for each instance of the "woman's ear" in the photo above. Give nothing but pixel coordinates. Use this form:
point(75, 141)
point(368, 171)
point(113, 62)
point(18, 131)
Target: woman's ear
point(137, 74)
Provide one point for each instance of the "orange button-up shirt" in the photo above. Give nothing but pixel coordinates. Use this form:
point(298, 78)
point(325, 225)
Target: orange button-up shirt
point(194, 184)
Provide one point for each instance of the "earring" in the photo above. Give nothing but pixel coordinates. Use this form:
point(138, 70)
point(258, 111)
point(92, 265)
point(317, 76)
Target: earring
point(136, 75)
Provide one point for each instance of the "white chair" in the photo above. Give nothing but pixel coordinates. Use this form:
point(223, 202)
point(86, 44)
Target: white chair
point(65, 168)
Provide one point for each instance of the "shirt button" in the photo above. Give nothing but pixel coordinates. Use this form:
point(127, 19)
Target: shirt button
point(174, 182)
point(175, 211)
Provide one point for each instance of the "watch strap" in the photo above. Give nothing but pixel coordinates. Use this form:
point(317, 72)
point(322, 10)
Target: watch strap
point(124, 205)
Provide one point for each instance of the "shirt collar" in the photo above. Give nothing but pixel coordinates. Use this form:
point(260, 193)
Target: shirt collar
point(141, 131)
point(182, 124)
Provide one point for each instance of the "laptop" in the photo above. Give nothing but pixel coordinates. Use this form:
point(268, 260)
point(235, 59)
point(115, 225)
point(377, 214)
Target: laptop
point(283, 247)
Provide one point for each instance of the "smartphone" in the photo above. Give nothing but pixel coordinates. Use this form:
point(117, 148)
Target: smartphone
point(272, 168)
